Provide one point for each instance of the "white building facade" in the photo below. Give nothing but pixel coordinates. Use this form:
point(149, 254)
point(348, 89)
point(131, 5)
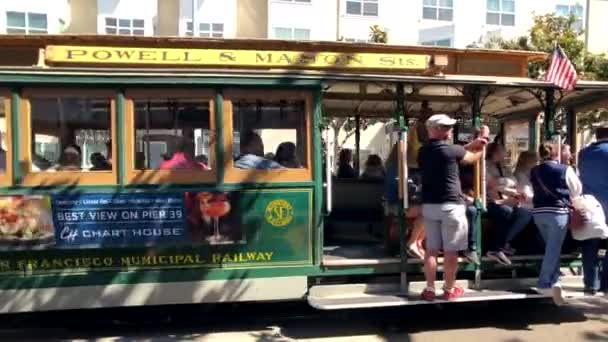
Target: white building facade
point(126, 17)
point(449, 23)
point(214, 18)
point(302, 19)
point(33, 17)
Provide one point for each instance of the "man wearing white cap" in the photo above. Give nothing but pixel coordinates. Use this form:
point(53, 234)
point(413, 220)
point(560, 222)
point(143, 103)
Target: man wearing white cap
point(443, 202)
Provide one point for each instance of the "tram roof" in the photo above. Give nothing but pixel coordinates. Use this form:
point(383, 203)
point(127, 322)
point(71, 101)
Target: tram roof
point(23, 50)
point(368, 92)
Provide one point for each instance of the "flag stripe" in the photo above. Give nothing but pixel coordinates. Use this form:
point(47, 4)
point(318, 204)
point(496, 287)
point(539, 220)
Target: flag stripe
point(561, 71)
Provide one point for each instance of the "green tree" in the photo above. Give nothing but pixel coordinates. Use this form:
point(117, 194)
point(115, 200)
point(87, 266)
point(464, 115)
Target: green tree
point(378, 35)
point(548, 30)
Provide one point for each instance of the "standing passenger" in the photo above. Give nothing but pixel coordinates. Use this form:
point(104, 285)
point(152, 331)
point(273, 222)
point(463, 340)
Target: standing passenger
point(443, 204)
point(593, 163)
point(554, 185)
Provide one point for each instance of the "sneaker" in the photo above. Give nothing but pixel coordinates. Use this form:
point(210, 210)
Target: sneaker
point(428, 294)
point(558, 295)
point(472, 257)
point(499, 257)
point(452, 294)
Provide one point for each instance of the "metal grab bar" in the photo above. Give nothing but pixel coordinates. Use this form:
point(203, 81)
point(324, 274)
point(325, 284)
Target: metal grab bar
point(483, 190)
point(328, 175)
point(405, 175)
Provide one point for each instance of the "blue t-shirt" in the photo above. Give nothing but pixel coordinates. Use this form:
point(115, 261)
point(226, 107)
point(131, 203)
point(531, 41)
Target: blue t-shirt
point(251, 161)
point(592, 164)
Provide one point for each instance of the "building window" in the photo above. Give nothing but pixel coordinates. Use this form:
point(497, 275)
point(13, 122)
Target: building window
point(129, 27)
point(362, 7)
point(21, 22)
point(210, 30)
point(440, 42)
point(438, 10)
point(575, 10)
point(500, 12)
point(172, 134)
point(291, 33)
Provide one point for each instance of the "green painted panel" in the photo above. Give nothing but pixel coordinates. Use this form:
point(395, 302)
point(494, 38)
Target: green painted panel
point(95, 80)
point(25, 281)
point(149, 187)
point(272, 227)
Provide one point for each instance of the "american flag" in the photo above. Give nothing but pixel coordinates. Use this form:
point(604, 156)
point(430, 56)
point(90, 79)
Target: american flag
point(561, 71)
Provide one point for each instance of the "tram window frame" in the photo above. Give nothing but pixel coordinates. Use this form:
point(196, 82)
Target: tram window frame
point(81, 177)
point(154, 176)
point(6, 178)
point(235, 175)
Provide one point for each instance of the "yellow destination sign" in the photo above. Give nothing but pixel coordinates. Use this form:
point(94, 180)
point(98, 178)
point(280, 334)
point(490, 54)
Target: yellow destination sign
point(219, 57)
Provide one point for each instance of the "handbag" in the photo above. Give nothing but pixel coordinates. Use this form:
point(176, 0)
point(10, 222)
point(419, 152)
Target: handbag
point(577, 219)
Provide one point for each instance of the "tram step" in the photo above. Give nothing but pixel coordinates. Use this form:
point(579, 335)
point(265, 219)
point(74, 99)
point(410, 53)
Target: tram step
point(359, 296)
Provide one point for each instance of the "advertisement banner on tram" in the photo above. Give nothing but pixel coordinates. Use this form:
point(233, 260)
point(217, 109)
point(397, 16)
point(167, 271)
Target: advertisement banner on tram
point(126, 230)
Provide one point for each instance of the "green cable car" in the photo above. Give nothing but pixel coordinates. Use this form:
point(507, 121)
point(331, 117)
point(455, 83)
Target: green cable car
point(149, 171)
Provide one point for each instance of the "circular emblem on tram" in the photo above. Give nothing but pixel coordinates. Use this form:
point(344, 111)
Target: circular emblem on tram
point(279, 213)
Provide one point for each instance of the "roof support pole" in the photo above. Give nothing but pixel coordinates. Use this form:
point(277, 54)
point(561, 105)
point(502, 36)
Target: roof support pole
point(571, 136)
point(357, 161)
point(479, 187)
point(549, 120)
point(400, 116)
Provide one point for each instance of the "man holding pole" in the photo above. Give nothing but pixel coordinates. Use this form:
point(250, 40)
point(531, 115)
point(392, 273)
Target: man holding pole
point(443, 202)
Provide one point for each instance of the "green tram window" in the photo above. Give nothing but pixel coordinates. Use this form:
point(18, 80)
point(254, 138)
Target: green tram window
point(69, 134)
point(5, 139)
point(170, 137)
point(269, 136)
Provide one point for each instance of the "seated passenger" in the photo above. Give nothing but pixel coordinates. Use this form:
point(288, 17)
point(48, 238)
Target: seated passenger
point(183, 157)
point(252, 151)
point(525, 162)
point(40, 163)
point(70, 159)
point(373, 168)
point(345, 169)
point(2, 160)
point(467, 181)
point(286, 155)
point(99, 162)
point(201, 158)
point(504, 206)
point(567, 158)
